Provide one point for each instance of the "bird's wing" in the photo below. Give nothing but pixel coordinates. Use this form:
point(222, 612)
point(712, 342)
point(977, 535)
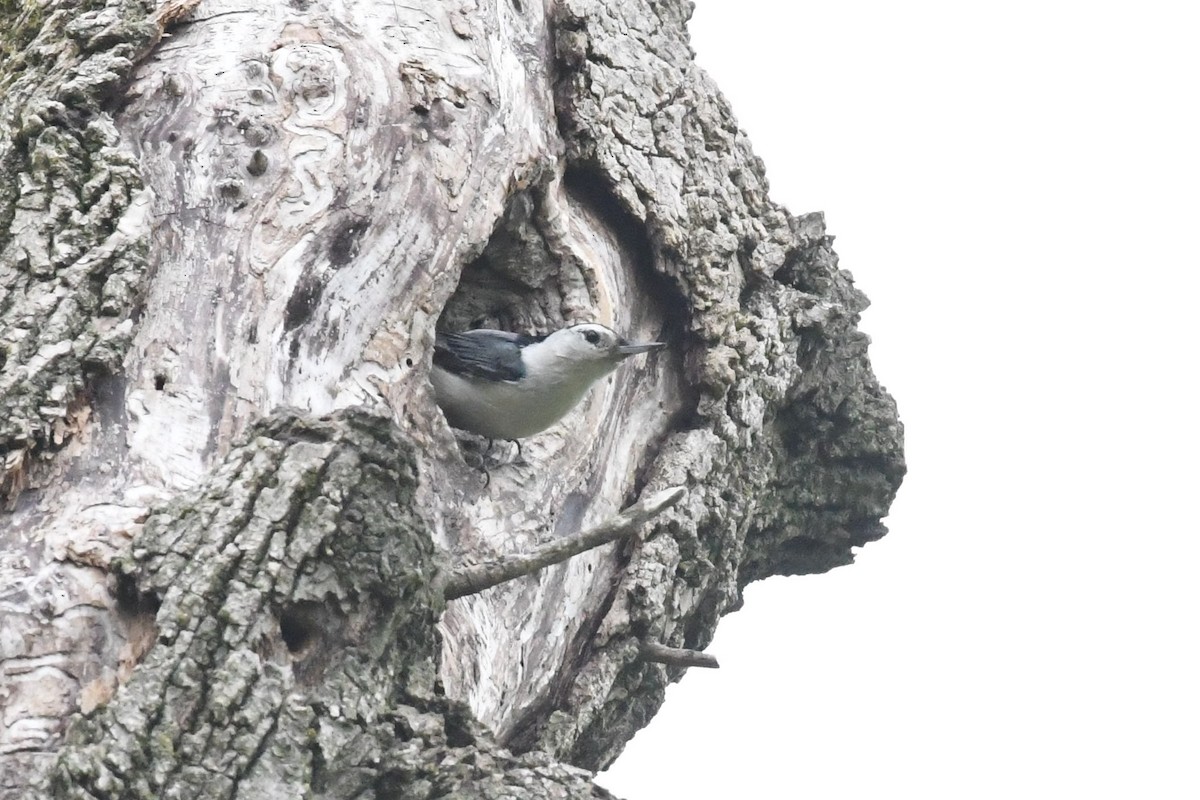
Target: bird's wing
point(482, 353)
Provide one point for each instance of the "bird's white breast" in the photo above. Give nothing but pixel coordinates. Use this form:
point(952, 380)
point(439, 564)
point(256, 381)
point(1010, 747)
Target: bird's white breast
point(508, 409)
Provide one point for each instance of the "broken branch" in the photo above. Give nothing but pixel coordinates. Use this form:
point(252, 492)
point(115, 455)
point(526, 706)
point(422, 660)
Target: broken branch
point(677, 656)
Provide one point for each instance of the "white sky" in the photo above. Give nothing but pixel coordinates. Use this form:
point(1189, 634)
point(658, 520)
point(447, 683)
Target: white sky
point(1016, 186)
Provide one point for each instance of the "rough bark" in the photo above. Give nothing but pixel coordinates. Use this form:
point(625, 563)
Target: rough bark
point(272, 209)
point(295, 599)
point(72, 256)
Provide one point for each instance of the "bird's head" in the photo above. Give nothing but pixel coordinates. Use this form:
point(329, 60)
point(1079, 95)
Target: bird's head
point(593, 342)
point(591, 348)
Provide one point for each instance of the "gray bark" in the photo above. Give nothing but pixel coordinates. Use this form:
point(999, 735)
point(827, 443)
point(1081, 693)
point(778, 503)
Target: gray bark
point(232, 503)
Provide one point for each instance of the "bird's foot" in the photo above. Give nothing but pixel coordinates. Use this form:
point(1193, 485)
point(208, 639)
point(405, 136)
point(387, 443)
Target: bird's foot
point(478, 460)
point(520, 459)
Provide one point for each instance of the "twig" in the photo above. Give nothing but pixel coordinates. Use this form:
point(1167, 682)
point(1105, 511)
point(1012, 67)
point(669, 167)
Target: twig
point(677, 656)
point(477, 577)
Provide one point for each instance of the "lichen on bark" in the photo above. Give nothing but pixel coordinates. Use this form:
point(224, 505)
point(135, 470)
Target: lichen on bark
point(72, 251)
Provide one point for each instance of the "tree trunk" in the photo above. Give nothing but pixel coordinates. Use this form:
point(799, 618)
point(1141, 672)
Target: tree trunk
point(234, 513)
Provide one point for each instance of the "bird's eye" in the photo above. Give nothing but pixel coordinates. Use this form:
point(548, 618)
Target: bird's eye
point(592, 336)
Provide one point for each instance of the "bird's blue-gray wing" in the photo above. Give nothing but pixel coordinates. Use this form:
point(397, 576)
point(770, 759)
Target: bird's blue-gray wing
point(482, 353)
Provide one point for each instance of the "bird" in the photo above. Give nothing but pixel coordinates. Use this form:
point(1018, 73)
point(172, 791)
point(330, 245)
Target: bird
point(504, 385)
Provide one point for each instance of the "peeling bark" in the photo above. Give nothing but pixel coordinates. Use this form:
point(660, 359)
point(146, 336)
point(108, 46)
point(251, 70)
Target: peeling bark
point(273, 209)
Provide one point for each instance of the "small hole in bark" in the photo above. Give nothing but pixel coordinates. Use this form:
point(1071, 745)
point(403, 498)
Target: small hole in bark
point(458, 731)
point(402, 730)
point(160, 382)
point(408, 362)
point(229, 188)
point(300, 626)
point(132, 602)
point(516, 4)
point(258, 163)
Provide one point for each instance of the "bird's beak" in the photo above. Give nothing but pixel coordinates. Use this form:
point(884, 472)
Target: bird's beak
point(625, 349)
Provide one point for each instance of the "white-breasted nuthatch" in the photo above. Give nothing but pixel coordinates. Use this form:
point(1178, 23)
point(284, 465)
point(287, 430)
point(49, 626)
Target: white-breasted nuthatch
point(511, 385)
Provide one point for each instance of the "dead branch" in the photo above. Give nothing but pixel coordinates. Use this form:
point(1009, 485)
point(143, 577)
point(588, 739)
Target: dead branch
point(677, 656)
point(477, 577)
